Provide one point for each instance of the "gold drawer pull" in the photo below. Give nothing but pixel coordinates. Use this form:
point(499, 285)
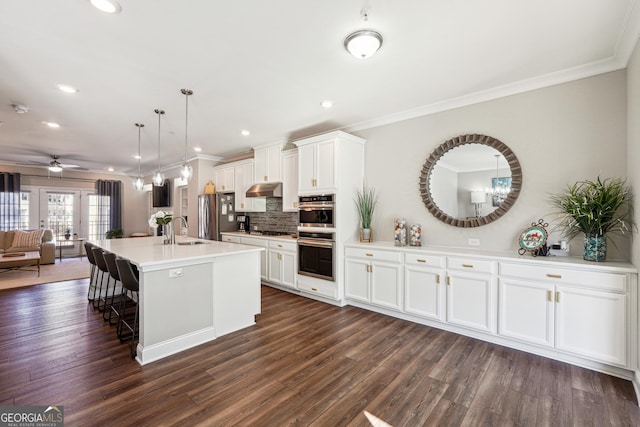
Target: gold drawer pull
point(369, 254)
point(554, 276)
point(279, 246)
point(467, 265)
point(314, 289)
point(421, 260)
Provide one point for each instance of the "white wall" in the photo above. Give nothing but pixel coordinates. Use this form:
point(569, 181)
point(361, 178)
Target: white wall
point(560, 134)
point(633, 140)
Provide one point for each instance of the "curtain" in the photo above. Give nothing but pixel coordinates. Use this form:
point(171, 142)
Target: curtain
point(111, 201)
point(9, 201)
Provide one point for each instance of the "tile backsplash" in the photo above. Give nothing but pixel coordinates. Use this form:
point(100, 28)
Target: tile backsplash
point(274, 219)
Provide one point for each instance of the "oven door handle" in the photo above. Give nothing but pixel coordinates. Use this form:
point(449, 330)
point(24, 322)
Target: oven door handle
point(315, 243)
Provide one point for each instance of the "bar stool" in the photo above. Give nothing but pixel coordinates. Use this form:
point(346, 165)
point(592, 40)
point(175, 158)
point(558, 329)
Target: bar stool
point(98, 254)
point(116, 291)
point(128, 316)
point(93, 275)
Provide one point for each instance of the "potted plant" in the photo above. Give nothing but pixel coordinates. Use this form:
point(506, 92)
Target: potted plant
point(595, 208)
point(67, 234)
point(115, 233)
point(366, 201)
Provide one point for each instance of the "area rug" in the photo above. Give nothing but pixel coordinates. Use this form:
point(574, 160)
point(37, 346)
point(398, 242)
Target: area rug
point(67, 269)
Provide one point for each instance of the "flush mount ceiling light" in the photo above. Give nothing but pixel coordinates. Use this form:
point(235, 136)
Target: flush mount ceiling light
point(158, 177)
point(363, 43)
point(186, 171)
point(138, 183)
point(107, 6)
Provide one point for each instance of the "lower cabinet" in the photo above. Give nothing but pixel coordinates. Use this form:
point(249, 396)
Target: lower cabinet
point(374, 277)
point(282, 263)
point(470, 301)
point(252, 241)
point(424, 288)
point(556, 310)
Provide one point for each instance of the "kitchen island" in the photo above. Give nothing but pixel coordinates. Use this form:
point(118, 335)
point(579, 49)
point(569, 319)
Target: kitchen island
point(191, 292)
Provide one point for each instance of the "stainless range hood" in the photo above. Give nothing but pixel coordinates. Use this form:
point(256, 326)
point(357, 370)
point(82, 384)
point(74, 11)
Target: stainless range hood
point(270, 189)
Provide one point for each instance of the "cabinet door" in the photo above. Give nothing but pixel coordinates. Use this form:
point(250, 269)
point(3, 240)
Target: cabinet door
point(306, 167)
point(356, 279)
point(592, 324)
point(470, 301)
point(274, 165)
point(386, 285)
point(326, 167)
point(526, 311)
point(275, 266)
point(290, 182)
point(263, 254)
point(224, 179)
point(260, 160)
point(423, 292)
point(289, 269)
point(240, 173)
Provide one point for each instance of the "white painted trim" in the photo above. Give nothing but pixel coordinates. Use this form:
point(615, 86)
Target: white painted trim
point(157, 351)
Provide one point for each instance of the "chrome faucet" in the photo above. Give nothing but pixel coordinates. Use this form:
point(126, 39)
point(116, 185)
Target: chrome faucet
point(184, 221)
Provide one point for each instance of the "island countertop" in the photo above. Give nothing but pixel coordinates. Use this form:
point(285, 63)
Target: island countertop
point(150, 251)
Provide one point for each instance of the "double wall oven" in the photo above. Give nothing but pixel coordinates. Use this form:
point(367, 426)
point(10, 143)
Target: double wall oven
point(316, 244)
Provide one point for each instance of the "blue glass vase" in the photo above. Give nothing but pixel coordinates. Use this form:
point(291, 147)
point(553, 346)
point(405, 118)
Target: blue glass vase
point(595, 248)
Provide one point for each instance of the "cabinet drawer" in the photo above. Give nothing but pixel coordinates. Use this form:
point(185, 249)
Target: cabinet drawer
point(231, 239)
point(253, 241)
point(374, 254)
point(424, 260)
point(283, 245)
point(550, 274)
point(471, 265)
point(319, 289)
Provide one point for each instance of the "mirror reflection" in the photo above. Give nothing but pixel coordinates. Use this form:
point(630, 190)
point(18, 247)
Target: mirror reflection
point(470, 181)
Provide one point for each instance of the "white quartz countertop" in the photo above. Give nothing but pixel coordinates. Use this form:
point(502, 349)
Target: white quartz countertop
point(150, 251)
point(501, 256)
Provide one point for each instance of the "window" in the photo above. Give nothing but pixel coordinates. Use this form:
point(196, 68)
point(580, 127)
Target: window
point(14, 209)
point(99, 214)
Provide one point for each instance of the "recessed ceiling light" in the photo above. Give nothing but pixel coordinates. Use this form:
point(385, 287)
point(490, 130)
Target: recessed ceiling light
point(110, 169)
point(326, 104)
point(137, 156)
point(197, 149)
point(67, 88)
point(107, 6)
point(51, 124)
point(245, 132)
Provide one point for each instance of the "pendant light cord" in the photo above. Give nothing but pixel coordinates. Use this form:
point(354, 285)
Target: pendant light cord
point(159, 113)
point(140, 126)
point(186, 93)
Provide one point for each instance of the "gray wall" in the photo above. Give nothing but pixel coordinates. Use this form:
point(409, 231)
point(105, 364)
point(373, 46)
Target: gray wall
point(633, 139)
point(560, 134)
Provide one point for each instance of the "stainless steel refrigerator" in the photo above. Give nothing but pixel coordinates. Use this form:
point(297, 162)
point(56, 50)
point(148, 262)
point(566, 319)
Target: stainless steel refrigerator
point(216, 214)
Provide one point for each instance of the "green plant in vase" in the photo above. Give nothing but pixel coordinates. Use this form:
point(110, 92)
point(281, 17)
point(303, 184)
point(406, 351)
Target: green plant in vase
point(366, 201)
point(595, 208)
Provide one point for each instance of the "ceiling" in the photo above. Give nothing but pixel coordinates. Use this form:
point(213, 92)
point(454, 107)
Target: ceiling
point(265, 66)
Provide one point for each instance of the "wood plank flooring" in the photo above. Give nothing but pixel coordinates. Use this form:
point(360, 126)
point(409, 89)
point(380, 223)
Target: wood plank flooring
point(304, 363)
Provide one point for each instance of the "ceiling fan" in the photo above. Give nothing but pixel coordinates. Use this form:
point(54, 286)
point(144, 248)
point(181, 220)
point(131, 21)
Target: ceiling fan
point(56, 166)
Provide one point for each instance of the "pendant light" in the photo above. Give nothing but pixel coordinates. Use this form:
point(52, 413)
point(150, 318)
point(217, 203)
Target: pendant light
point(186, 171)
point(138, 183)
point(158, 177)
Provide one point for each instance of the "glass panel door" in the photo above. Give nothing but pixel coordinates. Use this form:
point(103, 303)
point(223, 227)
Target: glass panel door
point(59, 211)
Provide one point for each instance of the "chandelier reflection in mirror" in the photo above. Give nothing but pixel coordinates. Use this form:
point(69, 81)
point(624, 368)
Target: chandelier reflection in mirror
point(500, 186)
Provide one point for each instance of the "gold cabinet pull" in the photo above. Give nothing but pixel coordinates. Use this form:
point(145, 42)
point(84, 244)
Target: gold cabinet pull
point(369, 254)
point(550, 296)
point(448, 280)
point(554, 276)
point(438, 279)
point(266, 178)
point(279, 246)
point(557, 296)
point(467, 265)
point(421, 260)
point(314, 289)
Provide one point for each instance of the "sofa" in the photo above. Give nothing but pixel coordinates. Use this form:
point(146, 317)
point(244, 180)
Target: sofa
point(29, 241)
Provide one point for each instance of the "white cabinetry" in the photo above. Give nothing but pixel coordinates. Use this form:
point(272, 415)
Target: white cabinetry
point(471, 293)
point(374, 276)
point(317, 166)
point(578, 312)
point(424, 292)
point(290, 181)
point(252, 241)
point(224, 178)
point(268, 166)
point(282, 263)
point(244, 180)
point(230, 239)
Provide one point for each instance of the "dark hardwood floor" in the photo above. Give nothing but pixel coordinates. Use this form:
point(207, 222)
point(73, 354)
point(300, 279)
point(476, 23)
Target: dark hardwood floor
point(304, 363)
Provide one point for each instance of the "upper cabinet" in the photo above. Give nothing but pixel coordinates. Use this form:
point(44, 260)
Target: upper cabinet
point(319, 159)
point(268, 163)
point(290, 181)
point(224, 178)
point(244, 180)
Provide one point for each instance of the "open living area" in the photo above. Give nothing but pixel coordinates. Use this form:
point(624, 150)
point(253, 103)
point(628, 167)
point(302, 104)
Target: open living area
point(363, 214)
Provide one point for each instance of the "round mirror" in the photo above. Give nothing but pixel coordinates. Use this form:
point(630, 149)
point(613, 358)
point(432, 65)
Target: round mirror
point(470, 180)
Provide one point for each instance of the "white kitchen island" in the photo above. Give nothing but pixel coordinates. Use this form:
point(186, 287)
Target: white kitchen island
point(190, 294)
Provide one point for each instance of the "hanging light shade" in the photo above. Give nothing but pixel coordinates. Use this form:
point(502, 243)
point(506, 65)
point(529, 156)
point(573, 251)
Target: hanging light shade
point(363, 43)
point(186, 171)
point(138, 183)
point(158, 177)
